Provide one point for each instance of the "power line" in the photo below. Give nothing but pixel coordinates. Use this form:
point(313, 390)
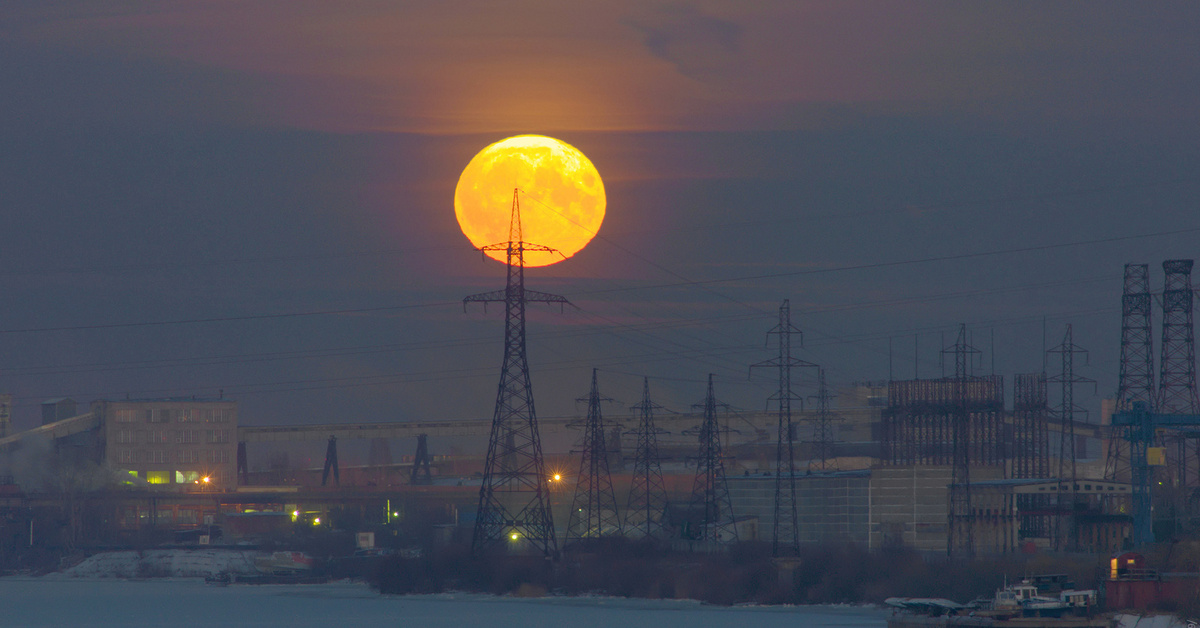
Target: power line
point(895, 263)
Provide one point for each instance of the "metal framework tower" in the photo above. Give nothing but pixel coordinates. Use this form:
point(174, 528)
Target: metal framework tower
point(421, 474)
point(710, 491)
point(594, 508)
point(823, 429)
point(514, 499)
point(648, 494)
point(960, 539)
point(1031, 438)
point(1177, 366)
point(786, 535)
point(1136, 382)
point(1066, 529)
point(1031, 449)
point(331, 463)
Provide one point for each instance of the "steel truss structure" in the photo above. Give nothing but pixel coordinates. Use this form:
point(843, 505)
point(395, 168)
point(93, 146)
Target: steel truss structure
point(1031, 449)
point(421, 474)
point(917, 424)
point(823, 435)
point(594, 508)
point(1177, 366)
point(644, 516)
point(1136, 380)
point(956, 421)
point(514, 498)
point(785, 537)
point(1066, 529)
point(710, 491)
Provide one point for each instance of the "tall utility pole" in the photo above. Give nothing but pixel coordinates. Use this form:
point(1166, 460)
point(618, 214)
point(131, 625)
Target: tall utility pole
point(1066, 533)
point(514, 499)
point(823, 459)
point(710, 492)
point(594, 508)
point(960, 539)
point(648, 494)
point(1136, 381)
point(1177, 368)
point(786, 536)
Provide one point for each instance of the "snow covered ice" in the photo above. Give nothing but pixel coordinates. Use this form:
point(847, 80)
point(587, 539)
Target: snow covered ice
point(185, 603)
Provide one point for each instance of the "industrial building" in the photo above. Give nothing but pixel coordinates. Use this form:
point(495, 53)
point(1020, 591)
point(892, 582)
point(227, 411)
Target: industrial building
point(182, 442)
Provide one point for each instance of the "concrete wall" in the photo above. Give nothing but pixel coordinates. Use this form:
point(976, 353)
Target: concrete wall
point(909, 507)
point(832, 507)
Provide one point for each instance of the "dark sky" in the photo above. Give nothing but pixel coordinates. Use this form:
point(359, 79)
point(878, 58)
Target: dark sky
point(892, 168)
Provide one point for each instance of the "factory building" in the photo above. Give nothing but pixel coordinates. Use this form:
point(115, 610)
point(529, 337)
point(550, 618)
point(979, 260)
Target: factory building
point(171, 442)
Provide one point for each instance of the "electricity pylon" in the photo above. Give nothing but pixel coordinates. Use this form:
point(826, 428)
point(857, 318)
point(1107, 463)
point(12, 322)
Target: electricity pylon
point(823, 437)
point(786, 534)
point(1066, 532)
point(648, 494)
point(514, 499)
point(594, 508)
point(710, 491)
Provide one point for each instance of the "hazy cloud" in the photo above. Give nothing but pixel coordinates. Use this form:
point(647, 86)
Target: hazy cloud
point(700, 46)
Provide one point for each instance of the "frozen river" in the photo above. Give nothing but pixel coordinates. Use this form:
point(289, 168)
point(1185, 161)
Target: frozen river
point(37, 602)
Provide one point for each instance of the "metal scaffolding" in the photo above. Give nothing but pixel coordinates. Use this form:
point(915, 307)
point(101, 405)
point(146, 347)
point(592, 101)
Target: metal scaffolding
point(1031, 450)
point(955, 421)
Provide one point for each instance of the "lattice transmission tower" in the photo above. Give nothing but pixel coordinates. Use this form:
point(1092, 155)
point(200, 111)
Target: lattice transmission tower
point(710, 491)
point(1177, 366)
point(648, 494)
point(1066, 528)
point(1136, 381)
point(594, 508)
point(786, 535)
point(960, 538)
point(514, 499)
point(823, 432)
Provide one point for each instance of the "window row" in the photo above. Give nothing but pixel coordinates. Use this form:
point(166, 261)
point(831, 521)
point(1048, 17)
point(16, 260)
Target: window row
point(138, 437)
point(164, 477)
point(162, 456)
point(174, 415)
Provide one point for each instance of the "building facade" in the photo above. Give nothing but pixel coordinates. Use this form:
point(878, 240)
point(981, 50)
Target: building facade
point(830, 507)
point(186, 443)
point(5, 414)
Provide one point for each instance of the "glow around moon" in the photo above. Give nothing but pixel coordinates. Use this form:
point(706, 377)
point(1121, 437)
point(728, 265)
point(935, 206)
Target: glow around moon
point(561, 196)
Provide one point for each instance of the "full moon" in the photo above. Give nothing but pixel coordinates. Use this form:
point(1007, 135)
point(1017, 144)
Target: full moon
point(560, 193)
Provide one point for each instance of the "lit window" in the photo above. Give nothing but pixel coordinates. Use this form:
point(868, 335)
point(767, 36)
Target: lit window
point(158, 477)
point(187, 477)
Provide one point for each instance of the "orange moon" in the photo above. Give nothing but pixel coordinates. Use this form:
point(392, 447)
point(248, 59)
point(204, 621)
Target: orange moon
point(560, 192)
